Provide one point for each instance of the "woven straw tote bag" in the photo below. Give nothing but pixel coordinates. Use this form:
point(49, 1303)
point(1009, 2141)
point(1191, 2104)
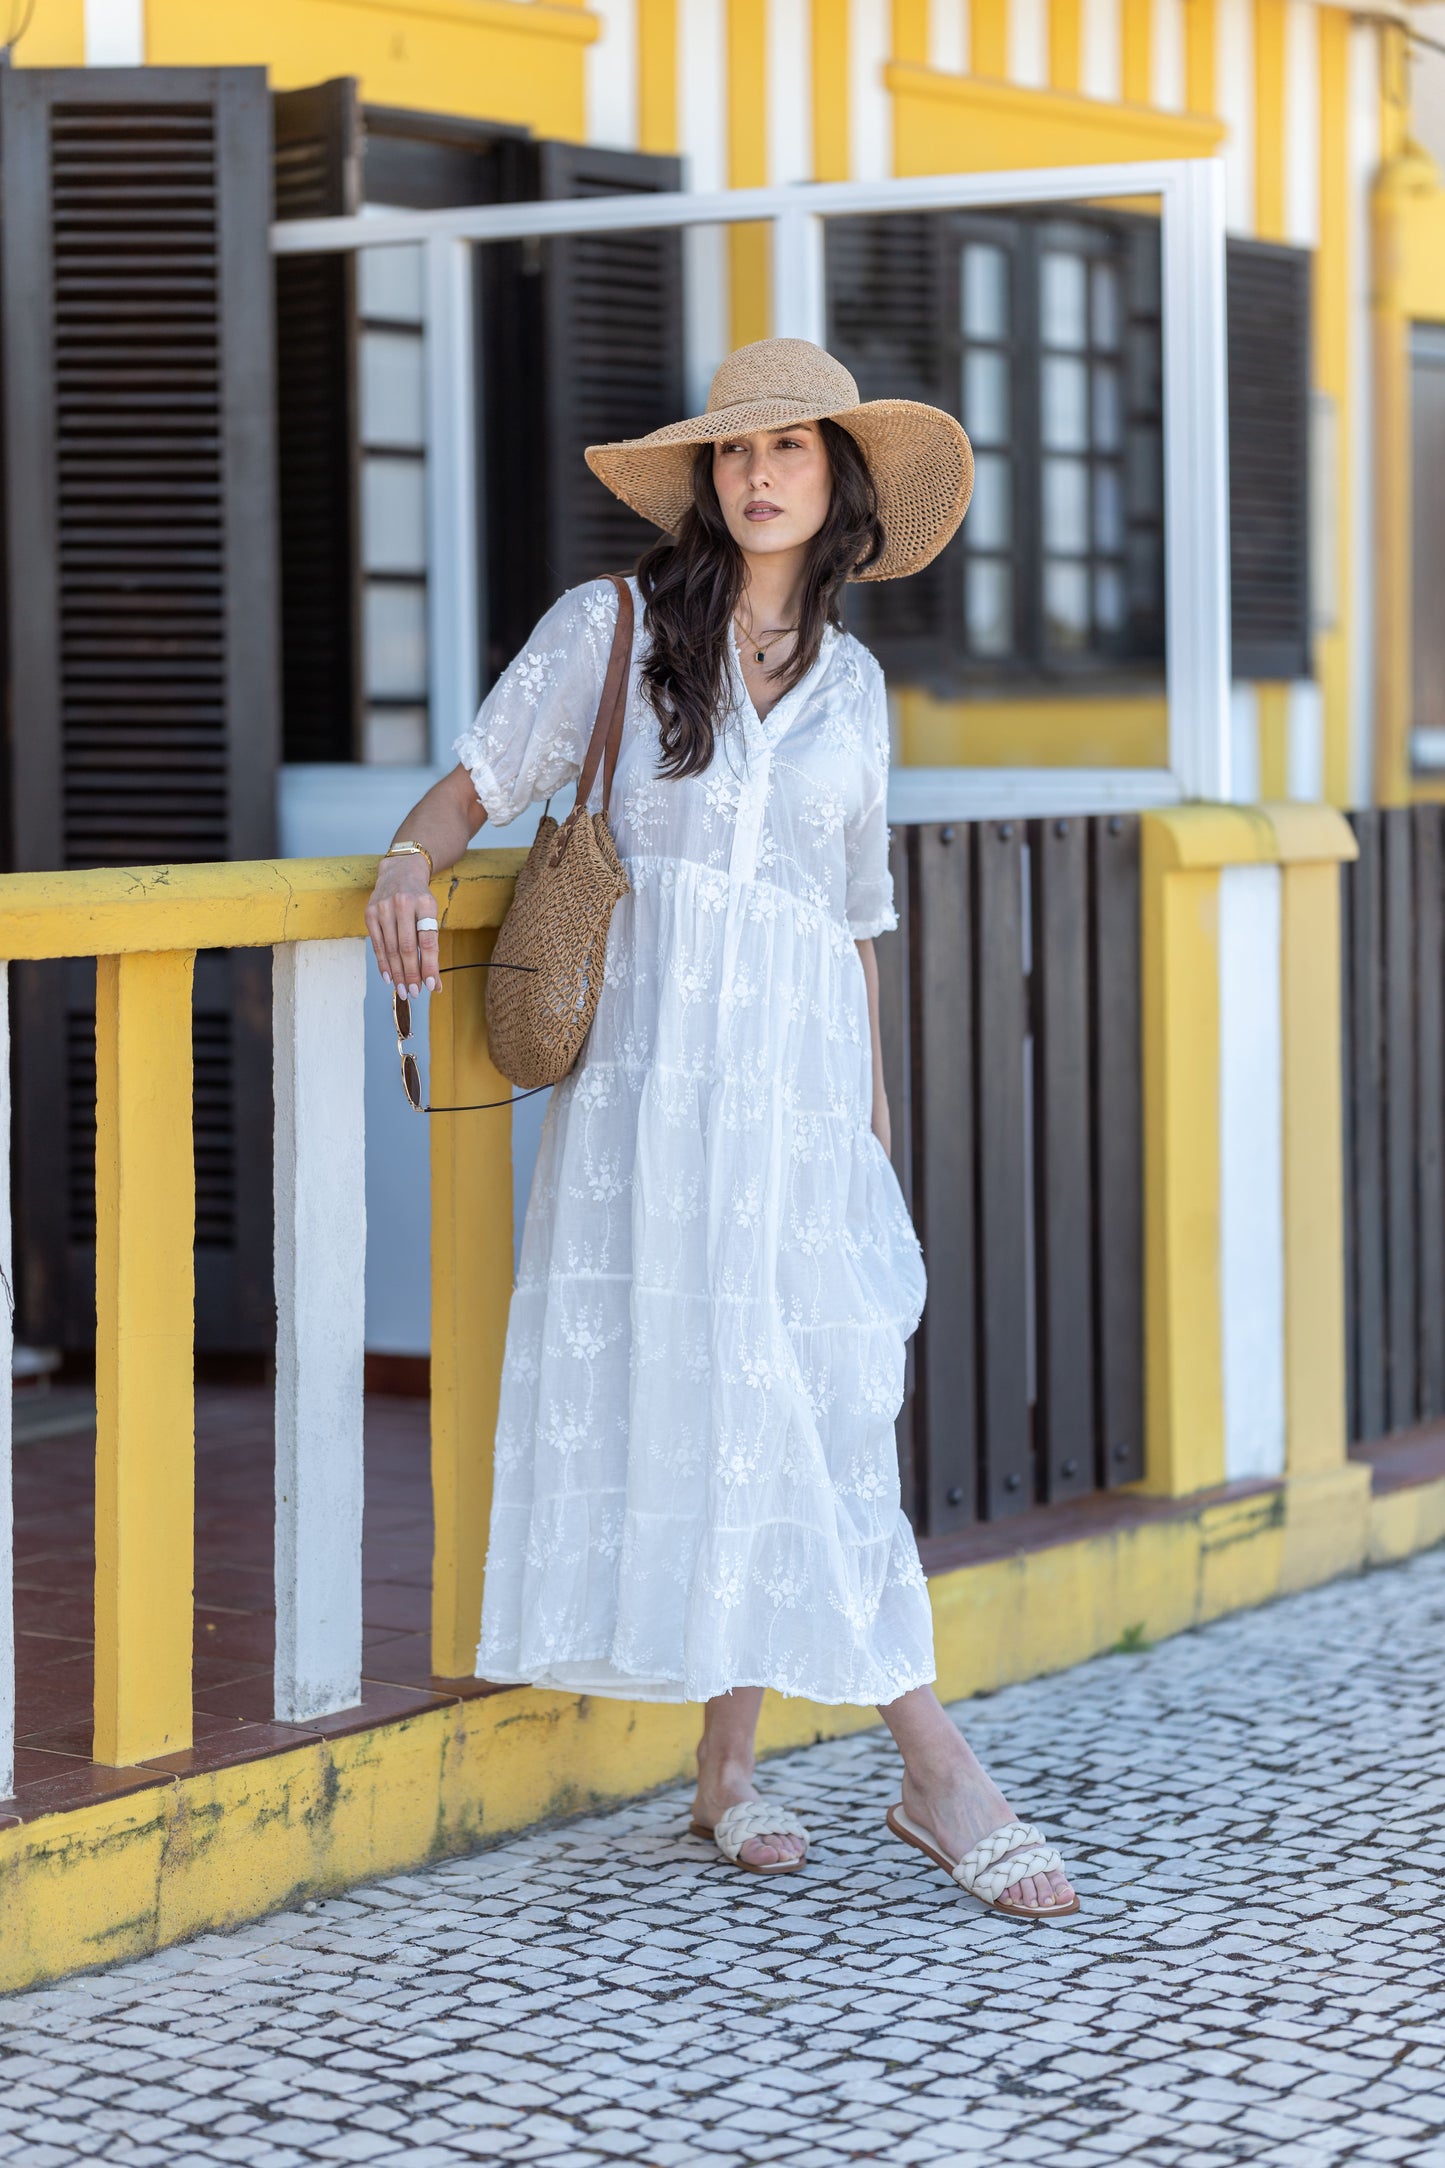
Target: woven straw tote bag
point(554, 935)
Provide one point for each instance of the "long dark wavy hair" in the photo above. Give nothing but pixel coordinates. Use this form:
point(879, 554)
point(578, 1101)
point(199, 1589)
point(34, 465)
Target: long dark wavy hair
point(692, 584)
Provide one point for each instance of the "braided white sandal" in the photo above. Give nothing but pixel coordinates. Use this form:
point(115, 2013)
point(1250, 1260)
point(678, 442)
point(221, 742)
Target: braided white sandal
point(996, 1862)
point(754, 1818)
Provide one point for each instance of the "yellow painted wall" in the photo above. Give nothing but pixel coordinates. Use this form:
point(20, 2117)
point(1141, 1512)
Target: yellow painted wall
point(1332, 379)
point(55, 37)
point(1064, 733)
point(506, 60)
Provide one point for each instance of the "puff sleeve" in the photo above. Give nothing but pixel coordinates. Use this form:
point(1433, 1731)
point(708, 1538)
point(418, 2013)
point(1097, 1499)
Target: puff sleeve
point(868, 902)
point(531, 732)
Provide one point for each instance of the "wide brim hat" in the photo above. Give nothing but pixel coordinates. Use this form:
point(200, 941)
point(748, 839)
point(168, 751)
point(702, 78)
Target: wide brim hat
point(920, 460)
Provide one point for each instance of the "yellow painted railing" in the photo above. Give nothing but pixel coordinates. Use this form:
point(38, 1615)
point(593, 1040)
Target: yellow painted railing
point(144, 928)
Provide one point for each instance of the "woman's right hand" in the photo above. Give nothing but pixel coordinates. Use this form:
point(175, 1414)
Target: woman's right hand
point(406, 959)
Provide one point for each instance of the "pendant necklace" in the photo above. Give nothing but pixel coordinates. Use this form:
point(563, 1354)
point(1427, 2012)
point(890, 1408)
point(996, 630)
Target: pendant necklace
point(760, 641)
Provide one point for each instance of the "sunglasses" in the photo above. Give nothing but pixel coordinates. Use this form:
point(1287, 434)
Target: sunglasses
point(410, 1069)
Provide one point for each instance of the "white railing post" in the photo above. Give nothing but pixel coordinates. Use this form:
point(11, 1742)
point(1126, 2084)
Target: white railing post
point(799, 296)
point(7, 1365)
point(319, 991)
point(451, 443)
point(1196, 480)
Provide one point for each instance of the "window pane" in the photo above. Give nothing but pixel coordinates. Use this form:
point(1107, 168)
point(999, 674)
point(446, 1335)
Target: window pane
point(1107, 408)
point(393, 514)
point(989, 525)
point(1145, 360)
point(989, 612)
point(986, 396)
point(1066, 505)
point(1066, 604)
point(1066, 404)
point(1108, 509)
point(1105, 299)
point(1145, 478)
point(1144, 270)
point(390, 283)
point(396, 738)
point(1062, 283)
point(1146, 572)
point(985, 292)
point(395, 642)
point(1109, 597)
point(392, 409)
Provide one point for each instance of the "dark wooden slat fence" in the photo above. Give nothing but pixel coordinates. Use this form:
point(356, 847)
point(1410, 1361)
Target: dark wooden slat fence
point(1393, 1011)
point(1010, 1017)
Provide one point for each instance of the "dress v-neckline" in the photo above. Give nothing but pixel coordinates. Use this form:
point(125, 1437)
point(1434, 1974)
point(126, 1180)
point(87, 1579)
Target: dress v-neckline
point(765, 723)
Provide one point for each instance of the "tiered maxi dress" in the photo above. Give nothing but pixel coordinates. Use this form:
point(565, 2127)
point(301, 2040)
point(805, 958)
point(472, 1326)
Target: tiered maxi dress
point(696, 1483)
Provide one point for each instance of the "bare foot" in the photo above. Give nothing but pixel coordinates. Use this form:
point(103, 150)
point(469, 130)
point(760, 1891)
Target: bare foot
point(956, 1800)
point(724, 1783)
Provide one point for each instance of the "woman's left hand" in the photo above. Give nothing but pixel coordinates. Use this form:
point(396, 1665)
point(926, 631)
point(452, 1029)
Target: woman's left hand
point(882, 1127)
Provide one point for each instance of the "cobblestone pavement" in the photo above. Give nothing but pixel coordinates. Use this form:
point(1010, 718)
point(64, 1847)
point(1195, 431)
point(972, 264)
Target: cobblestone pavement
point(1253, 1813)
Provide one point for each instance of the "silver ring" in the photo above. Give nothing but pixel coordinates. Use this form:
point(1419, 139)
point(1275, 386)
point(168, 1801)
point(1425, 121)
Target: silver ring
point(426, 925)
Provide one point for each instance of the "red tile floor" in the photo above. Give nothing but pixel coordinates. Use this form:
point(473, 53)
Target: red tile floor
point(235, 1618)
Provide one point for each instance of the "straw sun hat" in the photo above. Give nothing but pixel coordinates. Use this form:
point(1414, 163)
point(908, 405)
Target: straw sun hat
point(919, 457)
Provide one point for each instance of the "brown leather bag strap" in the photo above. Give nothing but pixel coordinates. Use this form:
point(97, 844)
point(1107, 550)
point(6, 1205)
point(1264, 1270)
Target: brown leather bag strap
point(612, 707)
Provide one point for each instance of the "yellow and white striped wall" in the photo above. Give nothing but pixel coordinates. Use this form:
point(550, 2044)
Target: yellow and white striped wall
point(755, 91)
point(1294, 94)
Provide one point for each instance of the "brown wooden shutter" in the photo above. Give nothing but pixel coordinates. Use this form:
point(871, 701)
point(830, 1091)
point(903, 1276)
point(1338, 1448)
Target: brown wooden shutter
point(1269, 417)
point(140, 606)
point(585, 346)
point(318, 175)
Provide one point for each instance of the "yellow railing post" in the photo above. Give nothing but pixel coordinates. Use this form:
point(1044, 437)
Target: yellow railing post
point(1184, 1407)
point(144, 1357)
point(471, 1266)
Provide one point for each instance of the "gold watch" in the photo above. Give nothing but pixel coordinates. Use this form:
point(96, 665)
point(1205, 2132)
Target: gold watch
point(413, 850)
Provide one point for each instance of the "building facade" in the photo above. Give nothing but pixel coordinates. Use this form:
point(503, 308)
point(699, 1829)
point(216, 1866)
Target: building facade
point(1040, 640)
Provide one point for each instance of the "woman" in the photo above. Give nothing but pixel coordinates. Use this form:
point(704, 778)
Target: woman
point(696, 1491)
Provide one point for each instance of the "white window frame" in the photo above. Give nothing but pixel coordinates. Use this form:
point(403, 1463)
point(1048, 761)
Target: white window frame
point(1190, 194)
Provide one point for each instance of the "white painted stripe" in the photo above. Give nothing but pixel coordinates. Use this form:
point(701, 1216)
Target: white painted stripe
point(1235, 66)
point(1301, 124)
point(1243, 744)
point(611, 76)
point(870, 117)
point(1363, 155)
point(702, 92)
point(1028, 43)
point(115, 35)
point(1196, 478)
point(7, 1361)
point(1306, 731)
point(702, 117)
point(1166, 54)
point(1251, 1181)
point(452, 493)
point(948, 34)
point(1102, 73)
point(790, 86)
point(320, 1177)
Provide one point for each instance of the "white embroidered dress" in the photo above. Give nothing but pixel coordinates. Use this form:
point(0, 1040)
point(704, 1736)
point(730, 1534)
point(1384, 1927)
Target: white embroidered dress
point(696, 1484)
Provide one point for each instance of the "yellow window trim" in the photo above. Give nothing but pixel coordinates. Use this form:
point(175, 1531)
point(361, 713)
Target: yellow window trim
point(536, 18)
point(960, 124)
point(1120, 731)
